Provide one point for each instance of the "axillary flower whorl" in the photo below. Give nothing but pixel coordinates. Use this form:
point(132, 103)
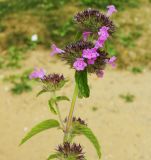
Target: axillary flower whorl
point(100, 62)
point(77, 120)
point(74, 51)
point(68, 151)
point(53, 82)
point(53, 78)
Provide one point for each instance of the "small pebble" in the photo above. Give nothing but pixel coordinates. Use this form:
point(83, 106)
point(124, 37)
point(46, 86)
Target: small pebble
point(25, 129)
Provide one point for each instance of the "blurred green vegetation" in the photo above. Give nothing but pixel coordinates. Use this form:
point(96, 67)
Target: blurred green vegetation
point(20, 82)
point(52, 21)
point(120, 4)
point(17, 46)
point(137, 70)
point(8, 6)
point(127, 97)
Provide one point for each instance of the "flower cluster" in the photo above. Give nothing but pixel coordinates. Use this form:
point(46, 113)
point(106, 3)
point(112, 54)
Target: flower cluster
point(77, 120)
point(83, 54)
point(92, 19)
point(91, 54)
point(74, 50)
point(69, 151)
point(53, 78)
point(52, 82)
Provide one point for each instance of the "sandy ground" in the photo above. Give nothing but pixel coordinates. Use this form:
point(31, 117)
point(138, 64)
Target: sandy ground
point(122, 128)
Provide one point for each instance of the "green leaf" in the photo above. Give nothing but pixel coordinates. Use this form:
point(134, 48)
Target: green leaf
point(47, 124)
point(51, 103)
point(82, 82)
point(52, 156)
point(41, 92)
point(87, 132)
point(62, 98)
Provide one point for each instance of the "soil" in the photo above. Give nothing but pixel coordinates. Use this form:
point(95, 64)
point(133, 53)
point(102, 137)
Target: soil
point(122, 128)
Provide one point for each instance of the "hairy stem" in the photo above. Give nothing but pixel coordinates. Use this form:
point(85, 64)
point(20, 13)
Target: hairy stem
point(69, 121)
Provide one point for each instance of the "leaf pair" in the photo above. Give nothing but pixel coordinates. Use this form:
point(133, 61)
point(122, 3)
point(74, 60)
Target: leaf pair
point(82, 82)
point(53, 101)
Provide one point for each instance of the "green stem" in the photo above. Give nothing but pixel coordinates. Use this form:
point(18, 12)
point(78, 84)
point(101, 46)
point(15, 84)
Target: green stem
point(59, 114)
point(69, 122)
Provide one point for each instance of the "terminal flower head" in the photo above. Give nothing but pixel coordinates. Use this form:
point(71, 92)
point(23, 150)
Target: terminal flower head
point(90, 19)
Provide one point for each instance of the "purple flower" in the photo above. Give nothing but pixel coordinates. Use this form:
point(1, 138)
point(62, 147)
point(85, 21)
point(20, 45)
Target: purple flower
point(111, 61)
point(100, 73)
point(91, 61)
point(37, 74)
point(86, 35)
point(79, 64)
point(103, 33)
point(99, 44)
point(56, 50)
point(111, 10)
point(103, 36)
point(90, 53)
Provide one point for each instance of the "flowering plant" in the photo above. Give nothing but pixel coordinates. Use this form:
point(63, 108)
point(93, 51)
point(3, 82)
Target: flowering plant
point(87, 54)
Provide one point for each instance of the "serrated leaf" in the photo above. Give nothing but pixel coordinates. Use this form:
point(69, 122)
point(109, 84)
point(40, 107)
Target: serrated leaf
point(47, 124)
point(82, 82)
point(62, 98)
point(51, 103)
point(52, 156)
point(41, 92)
point(87, 132)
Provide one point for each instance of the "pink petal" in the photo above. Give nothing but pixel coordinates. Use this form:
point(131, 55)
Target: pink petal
point(91, 61)
point(112, 59)
point(56, 50)
point(111, 10)
point(37, 74)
